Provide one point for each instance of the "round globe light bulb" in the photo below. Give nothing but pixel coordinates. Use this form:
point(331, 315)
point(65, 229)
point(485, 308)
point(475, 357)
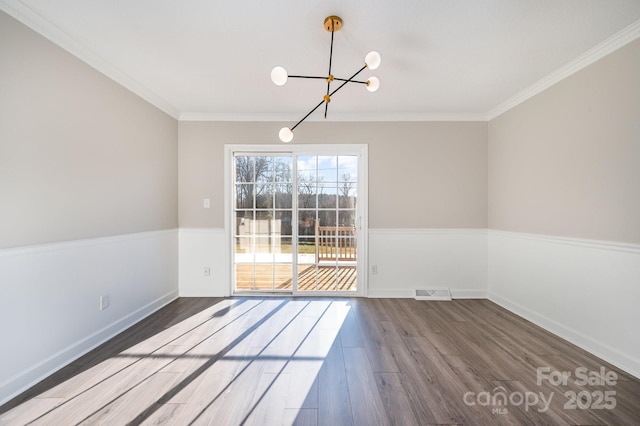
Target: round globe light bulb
point(372, 60)
point(373, 84)
point(279, 76)
point(286, 135)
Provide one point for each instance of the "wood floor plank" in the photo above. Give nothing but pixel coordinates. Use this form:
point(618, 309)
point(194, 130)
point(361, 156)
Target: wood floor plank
point(325, 361)
point(426, 400)
point(198, 362)
point(136, 401)
point(334, 315)
point(450, 312)
point(548, 343)
point(366, 405)
point(87, 379)
point(268, 404)
point(400, 317)
point(303, 389)
point(490, 359)
point(164, 414)
point(434, 327)
point(504, 327)
point(207, 393)
point(334, 403)
point(475, 384)
point(442, 378)
point(306, 364)
point(300, 417)
point(375, 343)
point(523, 410)
point(228, 385)
point(115, 390)
point(350, 335)
point(395, 400)
point(380, 357)
point(223, 395)
point(377, 308)
point(30, 411)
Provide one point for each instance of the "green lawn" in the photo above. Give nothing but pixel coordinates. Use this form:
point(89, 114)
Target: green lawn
point(303, 248)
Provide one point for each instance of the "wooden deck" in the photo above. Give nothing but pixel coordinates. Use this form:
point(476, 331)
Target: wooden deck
point(279, 277)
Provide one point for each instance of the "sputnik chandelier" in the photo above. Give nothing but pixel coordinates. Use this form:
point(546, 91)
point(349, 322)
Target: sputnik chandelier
point(279, 77)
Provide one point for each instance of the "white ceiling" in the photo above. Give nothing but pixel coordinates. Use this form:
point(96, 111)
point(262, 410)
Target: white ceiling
point(441, 59)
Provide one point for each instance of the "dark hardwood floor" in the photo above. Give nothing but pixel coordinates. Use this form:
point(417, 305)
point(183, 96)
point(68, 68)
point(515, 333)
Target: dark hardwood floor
point(308, 361)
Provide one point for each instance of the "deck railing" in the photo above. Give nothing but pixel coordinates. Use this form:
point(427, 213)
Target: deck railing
point(335, 243)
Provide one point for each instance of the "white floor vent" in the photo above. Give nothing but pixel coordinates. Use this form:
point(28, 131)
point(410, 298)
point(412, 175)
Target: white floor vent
point(433, 294)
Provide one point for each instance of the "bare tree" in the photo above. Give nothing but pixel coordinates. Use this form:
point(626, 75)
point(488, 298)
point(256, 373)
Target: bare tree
point(346, 186)
point(249, 171)
point(306, 192)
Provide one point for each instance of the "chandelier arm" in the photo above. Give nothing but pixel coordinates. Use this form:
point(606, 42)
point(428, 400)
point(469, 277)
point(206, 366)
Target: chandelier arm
point(326, 105)
point(349, 80)
point(331, 52)
point(308, 76)
point(308, 114)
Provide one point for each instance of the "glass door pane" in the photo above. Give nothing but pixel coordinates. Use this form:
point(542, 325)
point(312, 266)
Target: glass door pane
point(326, 196)
point(263, 215)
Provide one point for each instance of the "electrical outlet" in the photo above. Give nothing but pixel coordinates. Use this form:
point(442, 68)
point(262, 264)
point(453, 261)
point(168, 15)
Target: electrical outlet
point(374, 269)
point(104, 302)
point(206, 203)
point(207, 271)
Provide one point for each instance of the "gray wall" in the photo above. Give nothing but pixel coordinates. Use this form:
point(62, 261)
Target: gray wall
point(80, 156)
point(567, 161)
point(421, 175)
point(565, 165)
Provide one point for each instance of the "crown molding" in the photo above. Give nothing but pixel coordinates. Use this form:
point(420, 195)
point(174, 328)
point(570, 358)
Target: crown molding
point(336, 117)
point(613, 43)
point(43, 26)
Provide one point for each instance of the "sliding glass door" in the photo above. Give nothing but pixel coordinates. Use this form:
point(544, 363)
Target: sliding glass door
point(263, 218)
point(297, 221)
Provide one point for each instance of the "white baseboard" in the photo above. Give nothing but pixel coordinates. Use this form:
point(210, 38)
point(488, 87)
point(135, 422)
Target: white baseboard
point(393, 293)
point(390, 293)
point(468, 294)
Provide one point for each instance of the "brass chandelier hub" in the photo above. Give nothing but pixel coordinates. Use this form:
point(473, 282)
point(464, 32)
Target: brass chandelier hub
point(332, 23)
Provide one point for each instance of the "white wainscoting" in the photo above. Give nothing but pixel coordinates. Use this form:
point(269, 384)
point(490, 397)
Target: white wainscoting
point(409, 259)
point(49, 307)
point(200, 248)
point(587, 292)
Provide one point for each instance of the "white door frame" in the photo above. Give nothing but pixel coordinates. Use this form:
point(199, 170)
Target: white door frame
point(361, 150)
